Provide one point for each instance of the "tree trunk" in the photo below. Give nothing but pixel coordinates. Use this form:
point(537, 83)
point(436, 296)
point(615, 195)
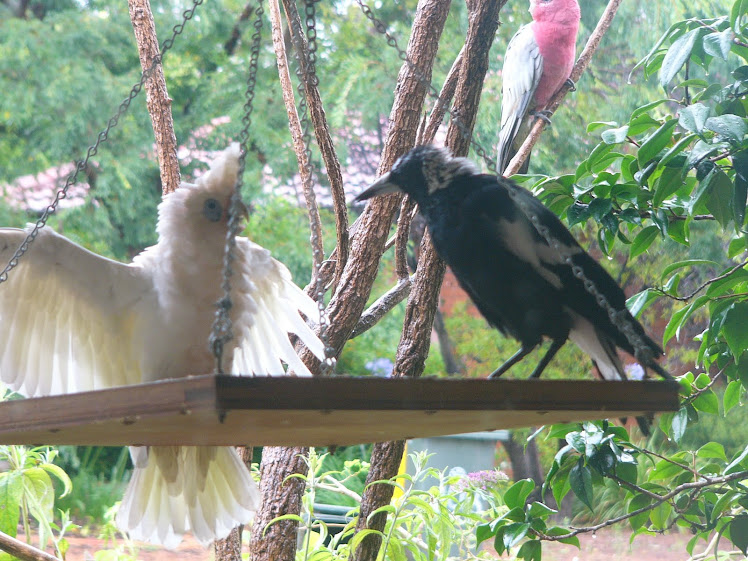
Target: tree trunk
point(280, 495)
point(419, 314)
point(157, 98)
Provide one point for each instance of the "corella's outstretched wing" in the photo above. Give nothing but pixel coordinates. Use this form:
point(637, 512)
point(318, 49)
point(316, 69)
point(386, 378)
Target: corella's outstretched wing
point(268, 305)
point(68, 317)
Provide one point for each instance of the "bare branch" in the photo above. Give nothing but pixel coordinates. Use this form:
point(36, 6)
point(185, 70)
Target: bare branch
point(157, 98)
point(22, 550)
point(407, 212)
point(701, 287)
point(294, 124)
point(445, 98)
point(324, 139)
point(707, 481)
point(382, 306)
point(582, 62)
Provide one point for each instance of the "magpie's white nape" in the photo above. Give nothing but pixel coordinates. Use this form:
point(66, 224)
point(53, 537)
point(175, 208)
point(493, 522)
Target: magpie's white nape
point(481, 226)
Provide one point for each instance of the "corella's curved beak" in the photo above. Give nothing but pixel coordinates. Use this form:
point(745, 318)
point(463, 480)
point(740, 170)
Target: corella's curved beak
point(381, 186)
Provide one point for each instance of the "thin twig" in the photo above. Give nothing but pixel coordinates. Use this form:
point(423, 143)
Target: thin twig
point(445, 98)
point(662, 498)
point(22, 550)
point(407, 212)
point(582, 62)
point(382, 306)
point(324, 140)
point(701, 287)
point(294, 124)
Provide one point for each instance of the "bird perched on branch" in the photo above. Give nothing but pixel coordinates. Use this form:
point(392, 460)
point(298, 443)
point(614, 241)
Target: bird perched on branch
point(482, 226)
point(537, 62)
point(73, 321)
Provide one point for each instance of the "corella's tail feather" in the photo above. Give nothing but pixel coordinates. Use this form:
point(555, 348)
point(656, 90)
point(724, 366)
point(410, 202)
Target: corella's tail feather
point(215, 493)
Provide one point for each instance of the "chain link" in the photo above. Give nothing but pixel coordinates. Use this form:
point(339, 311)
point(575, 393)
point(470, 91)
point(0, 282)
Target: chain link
point(306, 72)
point(619, 318)
point(222, 330)
point(93, 149)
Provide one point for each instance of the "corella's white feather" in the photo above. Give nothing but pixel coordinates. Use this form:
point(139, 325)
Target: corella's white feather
point(71, 321)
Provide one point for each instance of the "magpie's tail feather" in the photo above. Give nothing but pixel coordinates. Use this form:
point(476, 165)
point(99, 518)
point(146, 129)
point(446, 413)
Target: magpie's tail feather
point(600, 348)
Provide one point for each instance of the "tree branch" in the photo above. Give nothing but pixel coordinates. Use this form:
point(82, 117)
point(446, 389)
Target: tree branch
point(382, 306)
point(701, 287)
point(324, 139)
point(661, 499)
point(22, 550)
point(157, 98)
point(294, 125)
point(582, 62)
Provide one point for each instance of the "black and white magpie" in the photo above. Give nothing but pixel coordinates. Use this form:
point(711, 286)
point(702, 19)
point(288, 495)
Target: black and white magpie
point(523, 287)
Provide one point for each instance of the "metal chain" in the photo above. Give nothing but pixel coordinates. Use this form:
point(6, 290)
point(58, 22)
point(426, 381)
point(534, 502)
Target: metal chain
point(306, 71)
point(222, 329)
point(93, 149)
point(619, 318)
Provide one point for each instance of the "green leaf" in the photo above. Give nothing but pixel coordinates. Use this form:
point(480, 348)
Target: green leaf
point(687, 263)
point(558, 531)
point(638, 502)
point(735, 329)
point(664, 470)
point(679, 424)
point(646, 108)
point(736, 464)
point(517, 494)
point(660, 515)
point(719, 197)
point(667, 185)
point(615, 136)
point(733, 393)
point(739, 532)
point(707, 402)
point(11, 495)
point(693, 117)
point(730, 127)
point(739, 9)
point(531, 550)
point(540, 510)
point(740, 195)
point(580, 479)
point(719, 43)
point(677, 55)
point(640, 302)
point(513, 533)
point(656, 142)
point(483, 532)
point(677, 148)
point(712, 450)
point(643, 240)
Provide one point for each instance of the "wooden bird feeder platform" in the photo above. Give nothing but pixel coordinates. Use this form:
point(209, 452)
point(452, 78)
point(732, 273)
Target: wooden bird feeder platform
point(233, 410)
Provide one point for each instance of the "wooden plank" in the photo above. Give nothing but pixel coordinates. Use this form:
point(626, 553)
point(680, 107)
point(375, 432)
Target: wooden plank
point(225, 410)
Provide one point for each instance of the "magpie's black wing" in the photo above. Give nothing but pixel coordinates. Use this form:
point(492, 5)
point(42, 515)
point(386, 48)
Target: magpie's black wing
point(573, 291)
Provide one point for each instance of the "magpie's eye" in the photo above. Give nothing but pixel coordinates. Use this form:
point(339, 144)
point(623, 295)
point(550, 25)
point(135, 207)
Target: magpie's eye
point(212, 210)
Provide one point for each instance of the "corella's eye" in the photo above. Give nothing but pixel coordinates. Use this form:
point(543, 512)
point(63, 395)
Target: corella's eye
point(212, 210)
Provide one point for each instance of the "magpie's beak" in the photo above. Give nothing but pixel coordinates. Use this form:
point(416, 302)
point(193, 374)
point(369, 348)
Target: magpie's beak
point(381, 186)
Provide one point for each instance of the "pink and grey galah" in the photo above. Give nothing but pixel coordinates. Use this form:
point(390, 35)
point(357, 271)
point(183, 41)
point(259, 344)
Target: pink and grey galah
point(538, 61)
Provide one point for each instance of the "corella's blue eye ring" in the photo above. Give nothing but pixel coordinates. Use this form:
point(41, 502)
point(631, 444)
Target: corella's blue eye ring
point(212, 210)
